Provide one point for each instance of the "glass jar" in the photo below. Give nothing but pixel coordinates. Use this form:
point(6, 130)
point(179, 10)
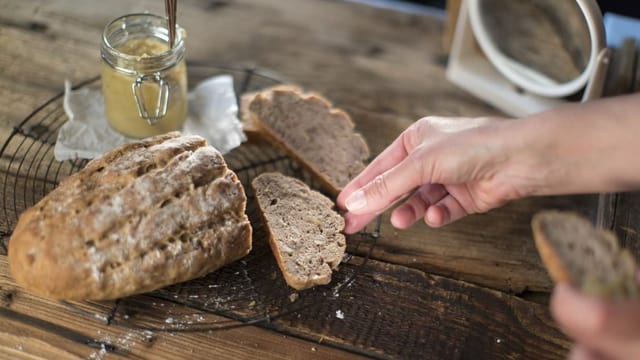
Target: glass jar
point(144, 82)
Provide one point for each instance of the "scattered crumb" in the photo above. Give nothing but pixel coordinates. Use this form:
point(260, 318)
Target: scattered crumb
point(98, 355)
point(252, 304)
point(100, 317)
point(339, 314)
point(169, 320)
point(293, 297)
point(498, 341)
point(314, 349)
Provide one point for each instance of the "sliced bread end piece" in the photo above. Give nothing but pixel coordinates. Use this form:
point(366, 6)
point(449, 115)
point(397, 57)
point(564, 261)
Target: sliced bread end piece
point(305, 233)
point(251, 130)
point(322, 138)
point(574, 251)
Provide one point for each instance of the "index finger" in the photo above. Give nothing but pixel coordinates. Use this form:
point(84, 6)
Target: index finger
point(395, 153)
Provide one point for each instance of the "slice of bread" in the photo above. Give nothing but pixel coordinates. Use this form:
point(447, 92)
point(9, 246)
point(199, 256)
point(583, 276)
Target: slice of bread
point(251, 130)
point(304, 231)
point(574, 251)
point(308, 128)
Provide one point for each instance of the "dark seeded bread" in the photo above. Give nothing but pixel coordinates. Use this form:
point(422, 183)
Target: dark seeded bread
point(250, 129)
point(574, 251)
point(305, 232)
point(143, 216)
point(320, 137)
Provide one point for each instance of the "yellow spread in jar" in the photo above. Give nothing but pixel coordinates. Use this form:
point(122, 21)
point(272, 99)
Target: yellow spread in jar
point(143, 47)
point(121, 109)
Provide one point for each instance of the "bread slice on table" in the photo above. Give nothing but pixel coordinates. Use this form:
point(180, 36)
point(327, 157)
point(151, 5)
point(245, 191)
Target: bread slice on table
point(319, 136)
point(574, 251)
point(144, 215)
point(305, 233)
point(248, 126)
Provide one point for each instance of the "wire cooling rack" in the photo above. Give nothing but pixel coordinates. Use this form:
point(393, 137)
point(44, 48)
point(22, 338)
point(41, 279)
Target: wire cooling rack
point(27, 165)
point(249, 291)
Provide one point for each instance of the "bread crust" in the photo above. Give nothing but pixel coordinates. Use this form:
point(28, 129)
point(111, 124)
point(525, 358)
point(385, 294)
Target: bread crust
point(550, 259)
point(143, 216)
point(338, 142)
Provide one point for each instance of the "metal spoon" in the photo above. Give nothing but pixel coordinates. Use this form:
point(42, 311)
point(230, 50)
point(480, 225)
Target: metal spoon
point(170, 7)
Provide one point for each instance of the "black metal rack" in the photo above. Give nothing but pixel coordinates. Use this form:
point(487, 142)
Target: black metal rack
point(250, 291)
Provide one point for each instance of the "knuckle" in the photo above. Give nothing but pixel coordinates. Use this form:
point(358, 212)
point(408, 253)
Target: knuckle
point(378, 188)
point(413, 136)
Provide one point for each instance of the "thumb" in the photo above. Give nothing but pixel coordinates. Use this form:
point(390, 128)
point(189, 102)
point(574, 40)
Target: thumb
point(610, 327)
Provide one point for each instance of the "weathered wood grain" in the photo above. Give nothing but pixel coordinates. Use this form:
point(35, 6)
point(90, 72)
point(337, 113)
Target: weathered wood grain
point(377, 309)
point(385, 68)
point(480, 242)
point(34, 327)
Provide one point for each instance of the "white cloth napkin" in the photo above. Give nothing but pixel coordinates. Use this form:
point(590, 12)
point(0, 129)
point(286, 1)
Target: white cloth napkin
point(213, 114)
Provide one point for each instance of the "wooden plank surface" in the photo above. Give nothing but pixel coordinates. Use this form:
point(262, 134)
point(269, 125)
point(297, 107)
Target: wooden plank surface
point(385, 68)
point(31, 326)
point(411, 316)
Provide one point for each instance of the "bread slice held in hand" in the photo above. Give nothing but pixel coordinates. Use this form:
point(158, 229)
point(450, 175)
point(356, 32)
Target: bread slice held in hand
point(590, 259)
point(144, 215)
point(319, 136)
point(305, 233)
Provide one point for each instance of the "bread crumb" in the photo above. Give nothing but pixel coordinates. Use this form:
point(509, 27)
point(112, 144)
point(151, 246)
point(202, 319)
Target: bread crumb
point(339, 314)
point(314, 349)
point(293, 297)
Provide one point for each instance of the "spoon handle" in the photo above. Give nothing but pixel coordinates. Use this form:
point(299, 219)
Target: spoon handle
point(170, 7)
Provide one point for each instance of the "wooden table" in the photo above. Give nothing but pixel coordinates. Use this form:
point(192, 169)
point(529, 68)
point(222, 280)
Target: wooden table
point(474, 289)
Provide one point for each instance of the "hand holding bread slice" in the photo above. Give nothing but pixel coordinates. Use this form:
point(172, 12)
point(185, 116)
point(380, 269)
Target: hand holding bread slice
point(590, 259)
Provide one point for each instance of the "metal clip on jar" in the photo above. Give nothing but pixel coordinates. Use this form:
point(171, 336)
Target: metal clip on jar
point(144, 82)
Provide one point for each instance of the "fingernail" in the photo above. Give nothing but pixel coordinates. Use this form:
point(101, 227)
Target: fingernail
point(356, 201)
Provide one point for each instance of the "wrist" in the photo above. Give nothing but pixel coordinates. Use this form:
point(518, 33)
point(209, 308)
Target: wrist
point(578, 148)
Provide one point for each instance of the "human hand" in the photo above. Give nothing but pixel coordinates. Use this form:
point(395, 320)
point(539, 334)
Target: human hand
point(448, 168)
point(601, 329)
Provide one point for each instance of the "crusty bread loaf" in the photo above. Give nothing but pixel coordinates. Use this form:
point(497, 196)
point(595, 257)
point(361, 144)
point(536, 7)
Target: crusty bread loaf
point(304, 231)
point(320, 137)
point(143, 216)
point(590, 259)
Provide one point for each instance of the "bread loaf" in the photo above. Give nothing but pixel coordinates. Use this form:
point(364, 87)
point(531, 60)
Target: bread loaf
point(590, 259)
point(143, 216)
point(308, 128)
point(304, 231)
